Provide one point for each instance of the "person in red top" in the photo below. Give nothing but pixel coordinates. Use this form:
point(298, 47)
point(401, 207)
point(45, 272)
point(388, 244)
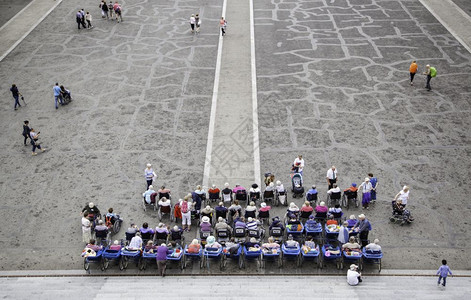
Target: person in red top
point(331, 221)
point(412, 69)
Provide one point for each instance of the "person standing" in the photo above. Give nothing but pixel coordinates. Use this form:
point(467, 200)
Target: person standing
point(86, 228)
point(374, 185)
point(223, 24)
point(88, 17)
point(197, 23)
point(16, 95)
point(331, 177)
point(363, 226)
point(403, 195)
point(192, 23)
point(150, 175)
point(365, 187)
point(412, 70)
point(430, 72)
point(161, 258)
point(57, 93)
point(299, 163)
point(443, 272)
point(35, 141)
point(26, 131)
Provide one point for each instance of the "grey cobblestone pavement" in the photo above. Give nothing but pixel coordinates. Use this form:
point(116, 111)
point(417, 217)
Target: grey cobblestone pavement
point(333, 86)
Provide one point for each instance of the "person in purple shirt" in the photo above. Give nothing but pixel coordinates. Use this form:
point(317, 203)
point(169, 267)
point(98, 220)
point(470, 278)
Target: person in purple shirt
point(57, 94)
point(374, 184)
point(161, 258)
point(443, 272)
point(146, 232)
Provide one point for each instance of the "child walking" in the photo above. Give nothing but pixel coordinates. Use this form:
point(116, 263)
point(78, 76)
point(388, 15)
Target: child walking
point(443, 273)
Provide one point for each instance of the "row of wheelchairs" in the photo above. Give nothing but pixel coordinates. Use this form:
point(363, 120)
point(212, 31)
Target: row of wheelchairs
point(273, 197)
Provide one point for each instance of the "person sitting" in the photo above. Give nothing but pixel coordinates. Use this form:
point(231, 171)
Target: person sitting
point(264, 211)
point(309, 245)
point(161, 232)
point(293, 208)
point(101, 230)
point(222, 225)
point(65, 93)
point(311, 223)
point(240, 223)
point(211, 243)
point(292, 219)
point(221, 211)
point(201, 192)
point(270, 187)
point(331, 221)
point(290, 242)
point(352, 189)
point(235, 208)
point(253, 223)
point(252, 243)
point(307, 208)
point(238, 188)
point(92, 245)
point(176, 234)
point(163, 192)
point(352, 220)
point(334, 190)
point(254, 192)
point(373, 247)
point(194, 247)
point(250, 210)
point(205, 225)
point(136, 242)
point(311, 194)
point(150, 247)
point(214, 192)
point(146, 232)
point(279, 187)
point(336, 211)
point(111, 217)
point(343, 233)
point(353, 277)
point(321, 210)
point(398, 208)
point(164, 202)
point(147, 194)
point(270, 246)
point(208, 212)
point(116, 246)
point(276, 222)
point(226, 193)
point(352, 245)
point(131, 231)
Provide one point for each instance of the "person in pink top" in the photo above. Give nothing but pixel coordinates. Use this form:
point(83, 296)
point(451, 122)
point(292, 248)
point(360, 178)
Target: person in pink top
point(238, 187)
point(321, 208)
point(116, 246)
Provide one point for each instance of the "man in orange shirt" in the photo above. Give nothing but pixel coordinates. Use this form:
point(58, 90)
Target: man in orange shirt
point(412, 69)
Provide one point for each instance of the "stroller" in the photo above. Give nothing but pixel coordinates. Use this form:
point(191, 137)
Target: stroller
point(297, 185)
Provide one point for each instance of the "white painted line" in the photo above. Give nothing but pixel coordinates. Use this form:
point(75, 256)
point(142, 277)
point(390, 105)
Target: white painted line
point(212, 119)
point(445, 24)
point(14, 17)
point(31, 29)
point(256, 141)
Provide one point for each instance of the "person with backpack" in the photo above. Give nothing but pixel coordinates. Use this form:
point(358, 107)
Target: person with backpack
point(430, 72)
point(185, 207)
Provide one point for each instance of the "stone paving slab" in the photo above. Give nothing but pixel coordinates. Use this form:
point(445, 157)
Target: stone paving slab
point(8, 9)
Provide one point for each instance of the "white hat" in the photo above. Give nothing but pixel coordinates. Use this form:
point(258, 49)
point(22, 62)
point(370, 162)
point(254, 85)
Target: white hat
point(353, 267)
point(161, 225)
point(205, 219)
point(263, 204)
point(292, 205)
point(250, 219)
point(367, 179)
point(149, 165)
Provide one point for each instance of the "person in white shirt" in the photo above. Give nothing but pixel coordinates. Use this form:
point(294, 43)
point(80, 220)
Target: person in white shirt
point(192, 23)
point(299, 163)
point(365, 187)
point(334, 189)
point(136, 242)
point(86, 228)
point(373, 246)
point(150, 175)
point(331, 176)
point(353, 277)
point(279, 187)
point(403, 195)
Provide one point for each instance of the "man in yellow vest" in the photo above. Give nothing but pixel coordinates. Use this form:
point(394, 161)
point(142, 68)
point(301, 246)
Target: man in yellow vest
point(430, 72)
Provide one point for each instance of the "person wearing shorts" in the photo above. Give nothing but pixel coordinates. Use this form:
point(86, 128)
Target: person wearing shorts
point(185, 207)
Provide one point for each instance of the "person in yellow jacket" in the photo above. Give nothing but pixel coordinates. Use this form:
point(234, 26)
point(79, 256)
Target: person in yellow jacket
point(412, 70)
point(430, 72)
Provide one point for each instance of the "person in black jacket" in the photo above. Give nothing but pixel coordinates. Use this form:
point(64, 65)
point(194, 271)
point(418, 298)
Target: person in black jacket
point(26, 131)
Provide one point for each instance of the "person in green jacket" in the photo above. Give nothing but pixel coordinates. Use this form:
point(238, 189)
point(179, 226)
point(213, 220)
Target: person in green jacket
point(430, 72)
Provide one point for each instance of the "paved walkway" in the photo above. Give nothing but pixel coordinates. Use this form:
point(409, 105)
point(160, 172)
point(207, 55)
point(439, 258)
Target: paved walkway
point(236, 287)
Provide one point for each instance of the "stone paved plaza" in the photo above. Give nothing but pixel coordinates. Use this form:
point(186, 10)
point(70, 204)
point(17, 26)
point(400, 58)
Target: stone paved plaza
point(332, 79)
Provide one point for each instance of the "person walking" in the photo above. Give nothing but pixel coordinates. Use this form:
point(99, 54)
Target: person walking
point(223, 24)
point(365, 188)
point(82, 12)
point(161, 258)
point(412, 70)
point(88, 17)
point(117, 11)
point(35, 141)
point(299, 163)
point(26, 131)
point(443, 272)
point(104, 9)
point(110, 9)
point(192, 23)
point(78, 18)
point(57, 93)
point(430, 72)
point(403, 195)
point(331, 177)
point(150, 175)
point(16, 95)
point(197, 23)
